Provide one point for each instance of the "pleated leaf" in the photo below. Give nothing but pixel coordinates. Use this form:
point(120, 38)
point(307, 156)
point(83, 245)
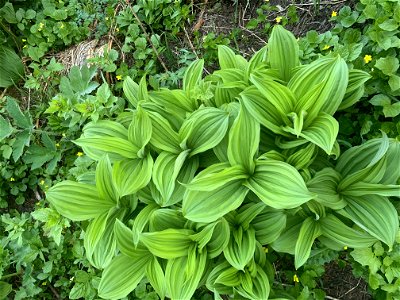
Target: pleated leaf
point(208, 206)
point(123, 274)
point(355, 88)
point(104, 180)
point(278, 185)
point(155, 275)
point(228, 59)
point(219, 239)
point(376, 215)
point(169, 243)
point(131, 175)
point(131, 90)
point(364, 188)
point(140, 130)
point(269, 225)
point(283, 52)
point(244, 138)
point(337, 231)
point(192, 75)
point(204, 129)
point(322, 132)
point(183, 275)
point(309, 231)
point(163, 136)
point(78, 201)
point(124, 239)
point(260, 287)
point(141, 221)
point(239, 252)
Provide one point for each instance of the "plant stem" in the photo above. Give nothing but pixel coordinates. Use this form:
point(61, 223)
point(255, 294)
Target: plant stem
point(10, 275)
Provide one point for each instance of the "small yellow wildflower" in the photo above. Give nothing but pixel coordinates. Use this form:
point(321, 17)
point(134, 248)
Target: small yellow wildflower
point(334, 14)
point(345, 247)
point(41, 25)
point(12, 179)
point(295, 278)
point(119, 77)
point(326, 47)
point(117, 29)
point(367, 58)
point(58, 145)
point(265, 249)
point(41, 182)
point(62, 25)
point(25, 46)
point(63, 135)
point(106, 18)
point(44, 283)
point(23, 40)
point(79, 154)
point(278, 19)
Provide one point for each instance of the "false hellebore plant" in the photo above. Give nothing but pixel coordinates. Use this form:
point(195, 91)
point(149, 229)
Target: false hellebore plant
point(192, 183)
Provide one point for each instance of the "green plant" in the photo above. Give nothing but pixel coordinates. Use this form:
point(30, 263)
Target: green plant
point(11, 67)
point(241, 159)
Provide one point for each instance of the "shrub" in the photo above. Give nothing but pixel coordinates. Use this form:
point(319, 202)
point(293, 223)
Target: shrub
point(191, 183)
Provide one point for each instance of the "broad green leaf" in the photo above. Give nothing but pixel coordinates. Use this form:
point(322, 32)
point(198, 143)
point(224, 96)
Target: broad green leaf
point(175, 102)
point(5, 289)
point(166, 169)
point(220, 279)
point(388, 65)
point(22, 139)
point(124, 239)
point(165, 218)
point(78, 201)
point(248, 212)
point(169, 243)
point(131, 175)
point(11, 66)
point(123, 274)
point(164, 137)
point(257, 61)
point(302, 156)
point(332, 73)
point(240, 251)
point(365, 188)
point(355, 88)
point(141, 221)
point(155, 275)
point(244, 138)
point(228, 59)
point(335, 230)
point(204, 129)
point(283, 52)
point(392, 172)
point(131, 90)
point(376, 215)
point(184, 273)
point(140, 130)
point(286, 242)
point(208, 206)
point(309, 231)
point(259, 287)
point(193, 75)
point(219, 239)
point(278, 185)
point(5, 128)
point(325, 184)
point(143, 94)
point(104, 180)
point(21, 120)
point(322, 132)
point(269, 225)
point(263, 108)
point(366, 257)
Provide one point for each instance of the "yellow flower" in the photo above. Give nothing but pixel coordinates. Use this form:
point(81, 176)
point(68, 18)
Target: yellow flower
point(44, 283)
point(63, 135)
point(25, 46)
point(117, 29)
point(23, 40)
point(119, 77)
point(265, 249)
point(58, 145)
point(326, 47)
point(106, 18)
point(345, 247)
point(295, 278)
point(62, 25)
point(79, 154)
point(41, 182)
point(278, 19)
point(12, 179)
point(41, 25)
point(367, 58)
point(334, 14)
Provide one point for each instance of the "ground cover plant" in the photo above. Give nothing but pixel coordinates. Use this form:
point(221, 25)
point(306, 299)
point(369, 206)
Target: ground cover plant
point(229, 173)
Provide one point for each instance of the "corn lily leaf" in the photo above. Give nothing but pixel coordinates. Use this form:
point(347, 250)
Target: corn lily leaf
point(325, 184)
point(131, 175)
point(263, 109)
point(143, 94)
point(223, 284)
point(169, 243)
point(244, 138)
point(104, 180)
point(225, 193)
point(123, 274)
point(124, 239)
point(228, 59)
point(163, 136)
point(155, 275)
point(269, 225)
point(140, 130)
point(204, 129)
point(78, 201)
point(309, 231)
point(184, 273)
point(241, 250)
point(219, 239)
point(355, 88)
point(286, 242)
point(259, 287)
point(131, 90)
point(193, 75)
point(283, 52)
point(376, 215)
point(141, 220)
point(164, 218)
point(334, 229)
point(365, 188)
point(278, 185)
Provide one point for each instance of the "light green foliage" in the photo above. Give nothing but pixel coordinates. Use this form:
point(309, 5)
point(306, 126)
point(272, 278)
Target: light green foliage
point(190, 188)
point(11, 67)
